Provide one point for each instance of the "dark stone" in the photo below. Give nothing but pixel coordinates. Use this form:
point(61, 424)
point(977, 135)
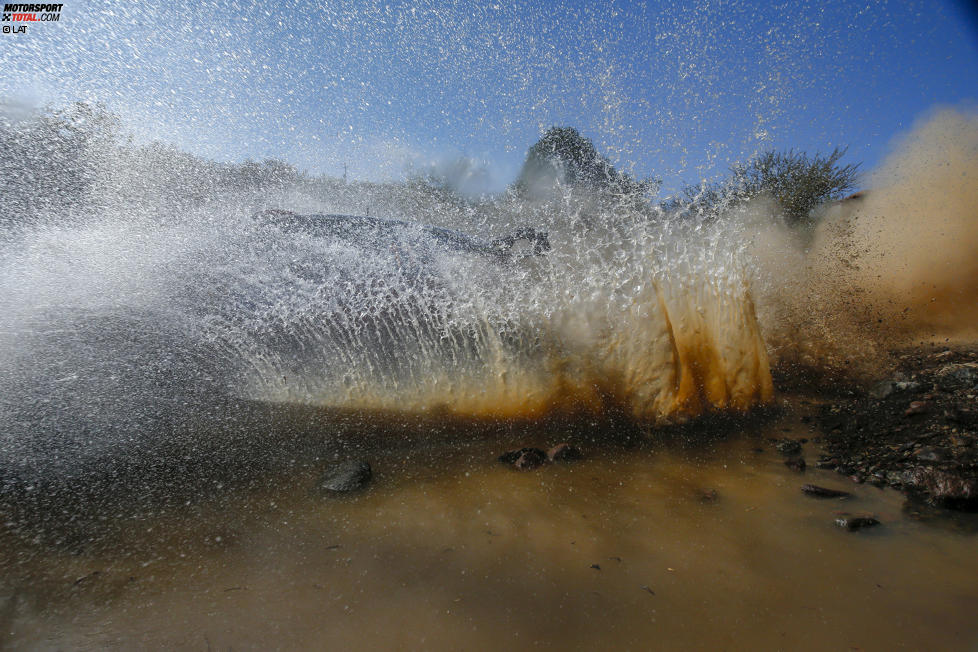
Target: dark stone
point(962, 416)
point(885, 388)
point(882, 389)
point(944, 488)
point(796, 463)
point(824, 492)
point(930, 454)
point(510, 457)
point(957, 376)
point(531, 459)
point(897, 478)
point(564, 453)
point(709, 496)
point(853, 523)
point(917, 407)
point(788, 447)
point(346, 476)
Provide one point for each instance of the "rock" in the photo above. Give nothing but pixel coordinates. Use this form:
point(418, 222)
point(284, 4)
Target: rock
point(957, 376)
point(885, 388)
point(882, 389)
point(564, 453)
point(853, 523)
point(346, 476)
point(824, 492)
point(917, 407)
point(897, 478)
point(788, 447)
point(796, 463)
point(962, 416)
point(825, 462)
point(510, 457)
point(930, 454)
point(531, 459)
point(961, 442)
point(945, 488)
point(709, 496)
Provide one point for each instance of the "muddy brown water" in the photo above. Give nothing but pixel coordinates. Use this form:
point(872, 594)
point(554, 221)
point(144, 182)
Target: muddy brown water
point(448, 549)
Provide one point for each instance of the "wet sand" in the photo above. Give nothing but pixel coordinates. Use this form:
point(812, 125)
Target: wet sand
point(448, 549)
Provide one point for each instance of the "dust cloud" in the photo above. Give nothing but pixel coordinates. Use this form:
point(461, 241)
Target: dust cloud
point(893, 265)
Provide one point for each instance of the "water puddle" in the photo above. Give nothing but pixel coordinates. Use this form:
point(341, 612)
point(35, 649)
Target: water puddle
point(707, 545)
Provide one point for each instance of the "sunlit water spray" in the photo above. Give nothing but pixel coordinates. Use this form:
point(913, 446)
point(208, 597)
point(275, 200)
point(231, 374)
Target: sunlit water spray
point(610, 316)
point(122, 327)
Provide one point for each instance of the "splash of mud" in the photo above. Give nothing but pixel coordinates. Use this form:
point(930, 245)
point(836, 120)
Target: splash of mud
point(890, 266)
point(916, 231)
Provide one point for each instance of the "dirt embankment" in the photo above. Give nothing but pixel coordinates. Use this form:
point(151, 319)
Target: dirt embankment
point(916, 430)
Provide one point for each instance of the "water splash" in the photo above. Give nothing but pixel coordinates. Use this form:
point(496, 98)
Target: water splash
point(612, 316)
point(127, 323)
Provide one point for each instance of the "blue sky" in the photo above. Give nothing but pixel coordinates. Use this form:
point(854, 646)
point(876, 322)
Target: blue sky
point(677, 90)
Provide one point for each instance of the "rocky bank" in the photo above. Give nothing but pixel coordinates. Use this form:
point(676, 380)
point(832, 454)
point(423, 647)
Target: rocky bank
point(916, 430)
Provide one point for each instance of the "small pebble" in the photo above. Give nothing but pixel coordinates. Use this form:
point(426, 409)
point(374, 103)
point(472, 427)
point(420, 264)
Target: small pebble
point(853, 523)
point(564, 453)
point(824, 492)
